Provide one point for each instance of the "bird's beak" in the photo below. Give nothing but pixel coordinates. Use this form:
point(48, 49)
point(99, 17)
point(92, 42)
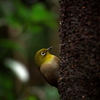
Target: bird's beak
point(49, 48)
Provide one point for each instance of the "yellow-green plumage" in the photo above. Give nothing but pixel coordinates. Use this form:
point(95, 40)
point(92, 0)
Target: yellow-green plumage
point(48, 65)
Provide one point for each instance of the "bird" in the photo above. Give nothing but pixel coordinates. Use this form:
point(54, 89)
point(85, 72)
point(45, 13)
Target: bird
point(48, 65)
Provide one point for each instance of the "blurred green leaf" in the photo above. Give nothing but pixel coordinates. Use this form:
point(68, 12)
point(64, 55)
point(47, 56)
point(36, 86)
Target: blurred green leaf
point(32, 97)
point(10, 44)
point(13, 22)
point(36, 29)
point(51, 93)
point(6, 44)
point(6, 87)
point(39, 13)
point(22, 12)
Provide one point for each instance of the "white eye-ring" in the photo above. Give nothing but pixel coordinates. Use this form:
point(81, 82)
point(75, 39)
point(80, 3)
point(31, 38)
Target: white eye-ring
point(43, 53)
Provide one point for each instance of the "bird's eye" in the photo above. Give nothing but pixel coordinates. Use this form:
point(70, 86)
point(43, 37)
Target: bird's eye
point(43, 53)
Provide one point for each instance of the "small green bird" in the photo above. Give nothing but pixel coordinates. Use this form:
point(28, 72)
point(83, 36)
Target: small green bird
point(48, 65)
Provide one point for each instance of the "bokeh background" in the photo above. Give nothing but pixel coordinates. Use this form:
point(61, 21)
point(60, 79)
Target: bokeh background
point(25, 27)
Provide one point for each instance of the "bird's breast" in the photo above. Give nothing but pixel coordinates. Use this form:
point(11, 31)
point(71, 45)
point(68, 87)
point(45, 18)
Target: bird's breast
point(50, 71)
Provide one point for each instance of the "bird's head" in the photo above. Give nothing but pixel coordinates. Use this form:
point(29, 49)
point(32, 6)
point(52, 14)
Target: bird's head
point(42, 56)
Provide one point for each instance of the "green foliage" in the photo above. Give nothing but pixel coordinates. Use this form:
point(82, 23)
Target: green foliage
point(6, 87)
point(51, 93)
point(32, 97)
point(33, 18)
point(9, 45)
point(40, 14)
point(34, 25)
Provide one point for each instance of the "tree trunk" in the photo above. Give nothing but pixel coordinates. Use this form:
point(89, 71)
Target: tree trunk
point(79, 73)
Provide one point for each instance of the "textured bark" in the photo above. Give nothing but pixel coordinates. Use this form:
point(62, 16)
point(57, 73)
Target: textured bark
point(79, 73)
